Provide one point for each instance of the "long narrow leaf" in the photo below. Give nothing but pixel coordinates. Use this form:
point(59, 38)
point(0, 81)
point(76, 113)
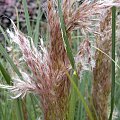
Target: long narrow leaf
point(73, 97)
point(65, 37)
point(5, 74)
point(27, 18)
point(37, 27)
point(5, 54)
point(113, 57)
point(81, 97)
point(3, 32)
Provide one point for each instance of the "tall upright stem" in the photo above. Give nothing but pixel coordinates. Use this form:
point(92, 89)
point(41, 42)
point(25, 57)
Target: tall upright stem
point(113, 57)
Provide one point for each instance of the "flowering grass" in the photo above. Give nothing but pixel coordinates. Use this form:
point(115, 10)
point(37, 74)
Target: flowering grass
point(54, 74)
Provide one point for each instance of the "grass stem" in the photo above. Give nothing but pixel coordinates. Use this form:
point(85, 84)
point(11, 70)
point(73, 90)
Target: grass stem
point(113, 57)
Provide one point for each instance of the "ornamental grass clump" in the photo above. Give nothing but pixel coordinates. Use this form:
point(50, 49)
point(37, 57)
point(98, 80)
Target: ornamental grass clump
point(49, 65)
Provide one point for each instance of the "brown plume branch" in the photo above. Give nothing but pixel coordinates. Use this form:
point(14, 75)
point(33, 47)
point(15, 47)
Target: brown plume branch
point(102, 70)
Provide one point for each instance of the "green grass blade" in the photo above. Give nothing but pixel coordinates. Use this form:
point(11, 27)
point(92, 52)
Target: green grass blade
point(19, 109)
point(17, 17)
point(5, 74)
point(73, 99)
point(32, 101)
point(80, 97)
point(36, 38)
point(113, 57)
point(5, 54)
point(65, 37)
point(3, 32)
point(1, 111)
point(24, 2)
point(82, 87)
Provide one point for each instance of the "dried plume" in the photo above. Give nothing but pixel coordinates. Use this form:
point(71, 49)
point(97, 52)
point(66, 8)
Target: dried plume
point(102, 70)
